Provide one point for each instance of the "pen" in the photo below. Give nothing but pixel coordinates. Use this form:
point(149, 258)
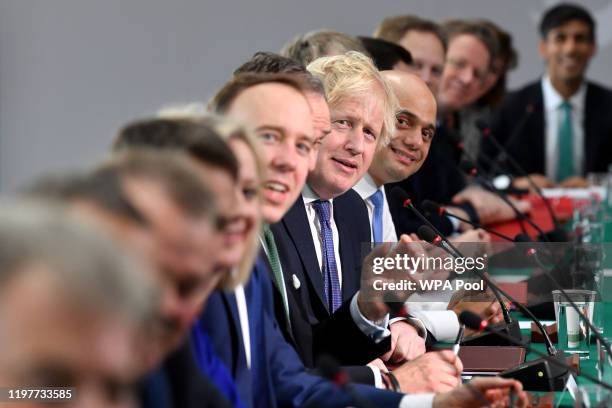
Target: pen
point(458, 340)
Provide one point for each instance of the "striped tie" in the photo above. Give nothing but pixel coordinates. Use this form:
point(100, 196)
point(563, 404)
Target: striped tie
point(275, 264)
point(331, 281)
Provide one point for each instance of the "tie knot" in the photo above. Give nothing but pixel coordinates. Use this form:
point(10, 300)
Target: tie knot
point(566, 105)
point(377, 198)
point(323, 209)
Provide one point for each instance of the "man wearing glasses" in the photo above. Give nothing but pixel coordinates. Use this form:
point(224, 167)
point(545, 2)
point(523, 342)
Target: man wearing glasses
point(471, 50)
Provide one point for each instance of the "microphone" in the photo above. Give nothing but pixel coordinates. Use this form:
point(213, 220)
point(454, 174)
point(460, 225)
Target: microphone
point(486, 131)
point(428, 235)
point(519, 215)
point(532, 373)
point(467, 167)
point(449, 248)
point(435, 208)
point(557, 234)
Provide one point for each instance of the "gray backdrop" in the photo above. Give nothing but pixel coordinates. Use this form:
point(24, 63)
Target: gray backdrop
point(72, 71)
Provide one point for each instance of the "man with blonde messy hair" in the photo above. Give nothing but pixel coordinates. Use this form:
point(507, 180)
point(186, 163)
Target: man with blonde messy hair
point(362, 108)
point(324, 276)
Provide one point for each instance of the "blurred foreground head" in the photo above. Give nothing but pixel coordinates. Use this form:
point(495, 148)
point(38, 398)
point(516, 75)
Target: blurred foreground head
point(306, 48)
point(156, 206)
point(72, 307)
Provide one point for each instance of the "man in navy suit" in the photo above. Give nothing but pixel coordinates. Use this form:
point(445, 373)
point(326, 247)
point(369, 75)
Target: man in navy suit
point(321, 248)
point(245, 333)
point(559, 127)
point(268, 372)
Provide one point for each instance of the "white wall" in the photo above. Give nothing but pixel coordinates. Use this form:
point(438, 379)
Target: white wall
point(72, 71)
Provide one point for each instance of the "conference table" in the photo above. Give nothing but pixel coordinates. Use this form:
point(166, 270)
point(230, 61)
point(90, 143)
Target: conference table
point(564, 207)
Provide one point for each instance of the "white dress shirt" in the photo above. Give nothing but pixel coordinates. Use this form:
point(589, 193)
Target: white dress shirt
point(552, 121)
point(243, 315)
point(365, 188)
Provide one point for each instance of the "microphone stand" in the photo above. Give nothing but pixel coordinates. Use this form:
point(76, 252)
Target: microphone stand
point(519, 169)
point(558, 375)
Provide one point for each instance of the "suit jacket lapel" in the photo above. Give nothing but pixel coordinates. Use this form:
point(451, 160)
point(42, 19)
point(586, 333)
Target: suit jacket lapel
point(298, 228)
point(242, 374)
point(590, 125)
point(350, 276)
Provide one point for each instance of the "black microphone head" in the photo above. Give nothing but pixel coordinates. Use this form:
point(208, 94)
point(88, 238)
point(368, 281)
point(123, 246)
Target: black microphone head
point(468, 167)
point(397, 193)
point(432, 207)
point(522, 238)
point(329, 368)
point(472, 321)
point(455, 139)
point(427, 234)
point(482, 124)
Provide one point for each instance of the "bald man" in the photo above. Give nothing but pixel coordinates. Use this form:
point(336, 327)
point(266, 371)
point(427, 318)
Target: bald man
point(404, 156)
point(400, 159)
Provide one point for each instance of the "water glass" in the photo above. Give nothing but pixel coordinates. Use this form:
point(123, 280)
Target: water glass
point(574, 333)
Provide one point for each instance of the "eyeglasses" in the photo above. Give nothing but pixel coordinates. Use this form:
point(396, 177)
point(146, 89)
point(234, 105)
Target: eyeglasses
point(462, 64)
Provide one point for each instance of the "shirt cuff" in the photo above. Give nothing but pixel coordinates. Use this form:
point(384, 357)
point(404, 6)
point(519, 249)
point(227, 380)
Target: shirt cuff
point(378, 383)
point(442, 324)
point(414, 322)
point(417, 401)
point(455, 222)
point(377, 331)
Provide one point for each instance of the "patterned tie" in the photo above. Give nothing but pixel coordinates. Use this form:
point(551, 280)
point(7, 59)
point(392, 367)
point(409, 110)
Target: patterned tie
point(566, 143)
point(275, 264)
point(331, 282)
point(377, 200)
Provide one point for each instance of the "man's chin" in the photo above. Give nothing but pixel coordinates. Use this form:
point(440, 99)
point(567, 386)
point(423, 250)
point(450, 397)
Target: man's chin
point(272, 215)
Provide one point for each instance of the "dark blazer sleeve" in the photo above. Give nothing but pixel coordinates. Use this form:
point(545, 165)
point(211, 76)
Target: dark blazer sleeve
point(292, 384)
point(340, 337)
point(189, 387)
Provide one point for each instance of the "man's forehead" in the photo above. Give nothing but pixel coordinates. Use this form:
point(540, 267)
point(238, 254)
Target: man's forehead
point(265, 91)
point(572, 26)
point(273, 105)
point(469, 48)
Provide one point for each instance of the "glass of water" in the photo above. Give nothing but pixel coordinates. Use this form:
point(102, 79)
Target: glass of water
point(574, 333)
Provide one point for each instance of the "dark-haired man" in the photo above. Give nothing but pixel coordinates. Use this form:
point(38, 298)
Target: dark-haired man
point(387, 55)
point(559, 128)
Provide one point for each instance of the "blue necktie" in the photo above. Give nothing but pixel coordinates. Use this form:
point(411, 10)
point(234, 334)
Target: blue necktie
point(331, 282)
point(377, 200)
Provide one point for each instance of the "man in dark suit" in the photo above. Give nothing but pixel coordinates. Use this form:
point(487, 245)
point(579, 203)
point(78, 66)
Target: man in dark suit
point(559, 128)
point(321, 240)
point(244, 332)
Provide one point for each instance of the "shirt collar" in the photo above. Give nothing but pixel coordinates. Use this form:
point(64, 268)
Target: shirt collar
point(308, 195)
point(366, 186)
point(552, 98)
